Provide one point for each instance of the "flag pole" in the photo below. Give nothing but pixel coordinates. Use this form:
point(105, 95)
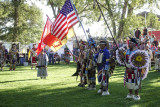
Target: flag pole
point(108, 26)
point(79, 19)
point(81, 25)
point(106, 22)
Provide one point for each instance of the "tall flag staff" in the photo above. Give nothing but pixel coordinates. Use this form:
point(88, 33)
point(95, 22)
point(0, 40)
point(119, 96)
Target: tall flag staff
point(79, 20)
point(106, 23)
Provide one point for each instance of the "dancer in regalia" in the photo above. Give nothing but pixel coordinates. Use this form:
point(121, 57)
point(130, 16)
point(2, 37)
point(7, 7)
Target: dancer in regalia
point(33, 56)
point(132, 83)
point(91, 66)
point(102, 60)
point(2, 56)
point(137, 62)
point(82, 65)
point(13, 57)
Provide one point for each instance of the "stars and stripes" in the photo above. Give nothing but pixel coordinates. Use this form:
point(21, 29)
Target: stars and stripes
point(64, 21)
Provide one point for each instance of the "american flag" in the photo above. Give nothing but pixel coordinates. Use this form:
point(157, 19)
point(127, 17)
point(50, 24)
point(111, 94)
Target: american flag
point(64, 21)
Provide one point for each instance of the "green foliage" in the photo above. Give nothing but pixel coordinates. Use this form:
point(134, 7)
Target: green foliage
point(152, 21)
point(22, 88)
point(28, 22)
point(120, 25)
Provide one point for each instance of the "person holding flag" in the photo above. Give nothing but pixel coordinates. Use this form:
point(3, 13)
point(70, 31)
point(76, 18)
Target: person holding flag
point(42, 65)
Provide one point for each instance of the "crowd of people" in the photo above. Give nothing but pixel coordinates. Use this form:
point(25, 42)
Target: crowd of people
point(91, 58)
point(101, 57)
point(145, 42)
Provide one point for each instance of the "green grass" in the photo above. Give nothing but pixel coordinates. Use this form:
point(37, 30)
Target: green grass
point(22, 88)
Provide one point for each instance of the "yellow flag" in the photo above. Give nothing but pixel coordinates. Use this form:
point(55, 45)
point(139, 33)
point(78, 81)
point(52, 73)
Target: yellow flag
point(29, 54)
point(70, 34)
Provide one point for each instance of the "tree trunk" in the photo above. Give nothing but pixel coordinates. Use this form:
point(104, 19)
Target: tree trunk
point(55, 8)
point(130, 9)
point(111, 17)
point(15, 18)
point(114, 27)
point(122, 22)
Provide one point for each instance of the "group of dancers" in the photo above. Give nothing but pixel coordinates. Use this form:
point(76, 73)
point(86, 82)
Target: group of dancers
point(12, 56)
point(40, 61)
point(92, 57)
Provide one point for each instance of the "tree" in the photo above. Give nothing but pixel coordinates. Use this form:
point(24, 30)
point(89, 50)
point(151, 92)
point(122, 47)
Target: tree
point(20, 21)
point(153, 21)
point(119, 13)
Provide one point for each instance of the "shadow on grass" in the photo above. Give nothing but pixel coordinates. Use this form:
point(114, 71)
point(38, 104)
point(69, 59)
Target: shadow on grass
point(39, 96)
point(4, 73)
point(64, 94)
point(17, 80)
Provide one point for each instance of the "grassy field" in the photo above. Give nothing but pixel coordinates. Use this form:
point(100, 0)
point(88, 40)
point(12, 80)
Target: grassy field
point(22, 88)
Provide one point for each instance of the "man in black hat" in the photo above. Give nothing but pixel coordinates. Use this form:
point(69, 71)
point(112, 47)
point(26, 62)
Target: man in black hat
point(102, 60)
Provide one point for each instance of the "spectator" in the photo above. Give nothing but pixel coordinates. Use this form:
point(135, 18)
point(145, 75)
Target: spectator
point(145, 32)
point(148, 43)
point(146, 39)
point(152, 38)
point(51, 57)
point(57, 58)
point(141, 38)
point(155, 42)
point(137, 33)
point(157, 59)
point(120, 43)
point(153, 48)
point(125, 44)
point(150, 55)
point(142, 46)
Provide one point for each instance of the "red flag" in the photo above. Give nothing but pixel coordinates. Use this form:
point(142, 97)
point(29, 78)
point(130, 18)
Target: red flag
point(51, 40)
point(46, 32)
point(64, 21)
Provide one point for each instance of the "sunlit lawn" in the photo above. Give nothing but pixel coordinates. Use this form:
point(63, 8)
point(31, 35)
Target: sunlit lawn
point(22, 88)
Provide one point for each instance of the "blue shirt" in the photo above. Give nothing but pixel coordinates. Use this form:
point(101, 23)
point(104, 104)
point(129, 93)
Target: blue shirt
point(105, 58)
